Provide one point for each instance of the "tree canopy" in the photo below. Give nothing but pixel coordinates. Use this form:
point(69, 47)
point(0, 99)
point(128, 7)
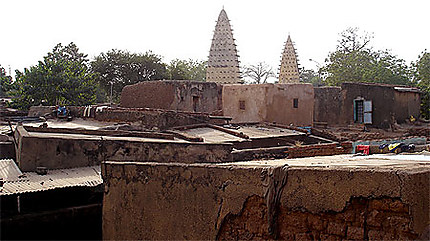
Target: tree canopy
point(421, 70)
point(62, 78)
point(117, 68)
point(5, 82)
point(355, 61)
point(309, 76)
point(187, 70)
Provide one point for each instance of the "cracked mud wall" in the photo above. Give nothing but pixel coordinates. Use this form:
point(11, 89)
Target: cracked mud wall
point(172, 201)
point(361, 219)
point(200, 201)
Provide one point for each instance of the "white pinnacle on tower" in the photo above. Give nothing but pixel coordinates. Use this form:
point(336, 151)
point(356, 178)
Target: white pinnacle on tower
point(223, 63)
point(289, 70)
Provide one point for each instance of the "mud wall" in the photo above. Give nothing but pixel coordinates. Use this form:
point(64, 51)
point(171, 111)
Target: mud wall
point(53, 151)
point(327, 106)
point(172, 201)
point(172, 95)
point(407, 104)
point(280, 103)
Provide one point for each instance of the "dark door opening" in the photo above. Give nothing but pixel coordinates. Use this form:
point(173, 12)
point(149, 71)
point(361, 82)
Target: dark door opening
point(195, 103)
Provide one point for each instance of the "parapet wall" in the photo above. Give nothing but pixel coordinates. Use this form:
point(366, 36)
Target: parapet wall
point(261, 200)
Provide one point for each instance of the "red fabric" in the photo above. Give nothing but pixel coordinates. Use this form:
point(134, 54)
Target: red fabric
point(364, 148)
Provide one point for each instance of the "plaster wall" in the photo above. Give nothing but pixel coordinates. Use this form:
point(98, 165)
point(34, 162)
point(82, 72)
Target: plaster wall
point(253, 98)
point(269, 103)
point(280, 104)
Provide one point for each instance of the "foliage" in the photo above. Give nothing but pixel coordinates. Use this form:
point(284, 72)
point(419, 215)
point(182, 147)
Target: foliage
point(62, 78)
point(5, 82)
point(310, 76)
point(116, 69)
point(187, 70)
point(355, 61)
point(421, 69)
point(258, 73)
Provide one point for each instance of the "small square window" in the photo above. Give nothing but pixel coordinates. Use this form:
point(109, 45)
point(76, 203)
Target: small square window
point(241, 105)
point(295, 103)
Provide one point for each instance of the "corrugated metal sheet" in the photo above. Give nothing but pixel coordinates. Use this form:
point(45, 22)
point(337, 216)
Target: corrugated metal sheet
point(61, 178)
point(9, 170)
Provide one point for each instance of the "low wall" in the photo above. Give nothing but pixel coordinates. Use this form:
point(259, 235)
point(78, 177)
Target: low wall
point(262, 200)
point(36, 111)
point(150, 118)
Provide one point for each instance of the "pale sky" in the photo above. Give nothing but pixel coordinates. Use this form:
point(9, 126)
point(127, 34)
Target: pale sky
point(183, 28)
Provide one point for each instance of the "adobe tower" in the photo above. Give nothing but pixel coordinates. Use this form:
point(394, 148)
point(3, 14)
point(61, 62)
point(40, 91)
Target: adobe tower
point(289, 70)
point(223, 63)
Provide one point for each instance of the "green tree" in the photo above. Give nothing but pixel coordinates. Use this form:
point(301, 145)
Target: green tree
point(5, 82)
point(187, 70)
point(117, 68)
point(355, 61)
point(421, 69)
point(258, 73)
point(62, 78)
point(310, 76)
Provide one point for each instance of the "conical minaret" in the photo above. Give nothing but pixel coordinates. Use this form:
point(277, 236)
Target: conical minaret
point(289, 70)
point(223, 63)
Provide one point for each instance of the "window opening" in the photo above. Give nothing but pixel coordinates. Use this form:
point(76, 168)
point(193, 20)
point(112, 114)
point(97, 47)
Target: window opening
point(241, 104)
point(295, 103)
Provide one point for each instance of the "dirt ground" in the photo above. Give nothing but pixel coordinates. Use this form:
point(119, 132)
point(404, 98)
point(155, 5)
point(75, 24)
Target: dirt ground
point(358, 132)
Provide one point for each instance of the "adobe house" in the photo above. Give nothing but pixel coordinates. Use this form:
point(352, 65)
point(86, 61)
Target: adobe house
point(179, 95)
point(378, 105)
point(280, 103)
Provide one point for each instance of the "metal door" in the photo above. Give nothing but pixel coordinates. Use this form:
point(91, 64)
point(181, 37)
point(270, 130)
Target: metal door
point(367, 115)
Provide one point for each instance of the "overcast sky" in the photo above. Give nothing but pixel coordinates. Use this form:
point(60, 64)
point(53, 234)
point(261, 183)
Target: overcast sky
point(183, 28)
